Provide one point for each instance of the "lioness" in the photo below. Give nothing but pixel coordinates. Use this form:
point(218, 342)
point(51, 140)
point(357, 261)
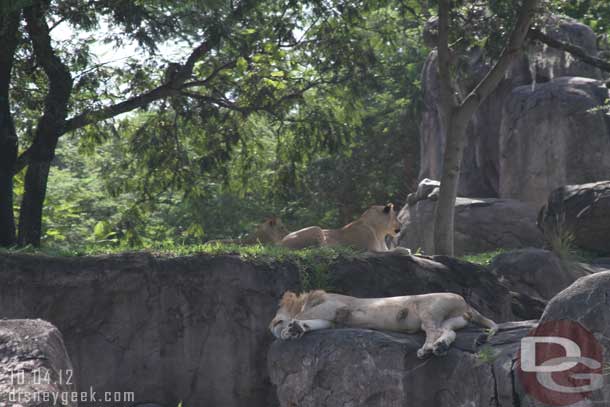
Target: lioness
point(270, 231)
point(437, 314)
point(366, 233)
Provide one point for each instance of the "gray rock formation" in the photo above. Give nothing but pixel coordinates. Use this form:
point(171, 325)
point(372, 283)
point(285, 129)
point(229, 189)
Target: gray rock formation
point(362, 368)
point(480, 225)
point(581, 210)
point(541, 138)
point(426, 189)
point(481, 173)
point(586, 302)
point(196, 328)
point(34, 365)
point(535, 272)
point(191, 329)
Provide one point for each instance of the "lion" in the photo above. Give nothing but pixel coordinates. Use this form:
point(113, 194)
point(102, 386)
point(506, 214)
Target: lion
point(366, 233)
point(437, 314)
point(271, 231)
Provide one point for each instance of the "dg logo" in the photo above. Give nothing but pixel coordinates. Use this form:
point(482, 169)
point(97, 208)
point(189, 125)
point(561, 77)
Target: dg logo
point(560, 363)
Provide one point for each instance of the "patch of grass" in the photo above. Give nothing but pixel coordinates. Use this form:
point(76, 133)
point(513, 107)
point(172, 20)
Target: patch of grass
point(313, 264)
point(484, 259)
point(487, 355)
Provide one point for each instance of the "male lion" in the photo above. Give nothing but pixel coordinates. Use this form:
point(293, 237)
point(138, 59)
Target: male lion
point(437, 314)
point(366, 233)
point(270, 231)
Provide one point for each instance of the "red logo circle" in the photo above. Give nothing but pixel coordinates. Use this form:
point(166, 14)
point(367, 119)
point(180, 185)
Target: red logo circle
point(560, 363)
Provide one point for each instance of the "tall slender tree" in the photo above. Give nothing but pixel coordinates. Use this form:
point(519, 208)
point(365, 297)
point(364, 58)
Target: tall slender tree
point(455, 113)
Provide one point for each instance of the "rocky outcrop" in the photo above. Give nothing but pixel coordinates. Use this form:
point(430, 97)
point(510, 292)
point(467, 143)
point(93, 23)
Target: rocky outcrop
point(35, 370)
point(191, 329)
point(582, 211)
point(535, 272)
point(481, 225)
point(488, 166)
point(541, 138)
point(195, 329)
point(362, 368)
point(585, 302)
point(426, 189)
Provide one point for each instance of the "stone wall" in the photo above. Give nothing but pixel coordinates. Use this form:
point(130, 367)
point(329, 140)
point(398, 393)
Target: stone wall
point(190, 329)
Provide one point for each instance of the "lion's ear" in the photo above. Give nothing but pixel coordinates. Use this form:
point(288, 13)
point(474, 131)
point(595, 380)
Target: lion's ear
point(288, 297)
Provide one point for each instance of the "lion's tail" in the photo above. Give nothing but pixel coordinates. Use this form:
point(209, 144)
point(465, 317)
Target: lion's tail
point(476, 317)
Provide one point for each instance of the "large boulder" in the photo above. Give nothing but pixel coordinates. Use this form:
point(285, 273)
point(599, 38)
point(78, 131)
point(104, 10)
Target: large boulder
point(585, 302)
point(541, 141)
point(363, 368)
point(34, 365)
point(481, 225)
point(373, 368)
point(481, 171)
point(582, 211)
point(535, 272)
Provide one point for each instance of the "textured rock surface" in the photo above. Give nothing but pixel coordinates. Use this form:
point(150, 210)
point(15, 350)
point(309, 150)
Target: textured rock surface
point(586, 301)
point(168, 329)
point(582, 210)
point(481, 171)
point(348, 367)
point(195, 328)
point(480, 225)
point(34, 365)
point(535, 272)
point(541, 138)
point(372, 368)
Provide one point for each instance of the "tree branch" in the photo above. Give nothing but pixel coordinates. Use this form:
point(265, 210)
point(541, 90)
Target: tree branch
point(167, 89)
point(509, 53)
point(572, 49)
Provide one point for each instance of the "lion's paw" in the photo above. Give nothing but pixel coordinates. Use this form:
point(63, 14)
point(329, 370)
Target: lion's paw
point(294, 330)
point(440, 348)
point(423, 353)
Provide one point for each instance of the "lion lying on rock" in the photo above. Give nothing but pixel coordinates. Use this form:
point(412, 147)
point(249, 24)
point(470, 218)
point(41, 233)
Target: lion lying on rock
point(437, 314)
point(366, 233)
point(271, 231)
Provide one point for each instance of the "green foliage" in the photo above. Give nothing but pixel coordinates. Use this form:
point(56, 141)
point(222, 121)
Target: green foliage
point(313, 264)
point(309, 111)
point(486, 356)
point(594, 13)
point(304, 109)
point(484, 259)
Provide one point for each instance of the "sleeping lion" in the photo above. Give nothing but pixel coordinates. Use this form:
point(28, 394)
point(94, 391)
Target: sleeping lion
point(437, 314)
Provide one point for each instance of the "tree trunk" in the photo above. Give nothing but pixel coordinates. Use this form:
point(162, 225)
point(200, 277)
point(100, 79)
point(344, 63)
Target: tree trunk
point(455, 117)
point(49, 128)
point(455, 136)
point(9, 24)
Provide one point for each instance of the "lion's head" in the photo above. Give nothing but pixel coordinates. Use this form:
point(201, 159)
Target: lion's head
point(270, 231)
point(292, 304)
point(382, 218)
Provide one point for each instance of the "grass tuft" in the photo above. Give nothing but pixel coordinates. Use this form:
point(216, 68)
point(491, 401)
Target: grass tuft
point(313, 264)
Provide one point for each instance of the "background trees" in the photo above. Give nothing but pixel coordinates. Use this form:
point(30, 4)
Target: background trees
point(213, 114)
